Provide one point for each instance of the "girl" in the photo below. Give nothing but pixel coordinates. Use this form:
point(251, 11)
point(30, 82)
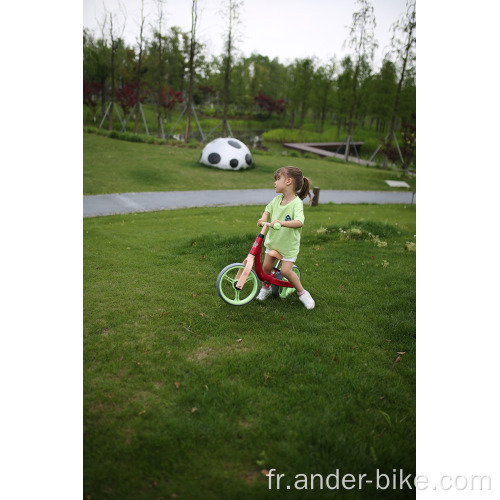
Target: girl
point(287, 209)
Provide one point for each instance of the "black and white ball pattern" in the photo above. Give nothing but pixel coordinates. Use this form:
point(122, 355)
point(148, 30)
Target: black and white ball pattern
point(226, 153)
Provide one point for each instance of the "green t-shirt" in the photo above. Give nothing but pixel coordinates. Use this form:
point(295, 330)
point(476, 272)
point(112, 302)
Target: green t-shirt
point(287, 239)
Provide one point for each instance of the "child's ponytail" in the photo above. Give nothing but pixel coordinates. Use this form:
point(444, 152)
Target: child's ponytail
point(305, 190)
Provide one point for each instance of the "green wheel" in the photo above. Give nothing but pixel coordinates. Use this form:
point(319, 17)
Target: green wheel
point(281, 291)
point(229, 293)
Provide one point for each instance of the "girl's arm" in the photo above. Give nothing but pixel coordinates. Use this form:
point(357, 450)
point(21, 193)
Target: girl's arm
point(264, 217)
point(290, 223)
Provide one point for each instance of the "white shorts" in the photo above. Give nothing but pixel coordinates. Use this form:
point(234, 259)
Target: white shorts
point(293, 259)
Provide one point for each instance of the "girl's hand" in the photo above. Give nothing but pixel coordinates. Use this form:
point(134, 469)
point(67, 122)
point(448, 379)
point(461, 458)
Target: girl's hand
point(260, 222)
point(276, 220)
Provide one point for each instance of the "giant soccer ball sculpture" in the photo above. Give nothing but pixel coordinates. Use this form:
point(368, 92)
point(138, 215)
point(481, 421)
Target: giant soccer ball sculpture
point(226, 153)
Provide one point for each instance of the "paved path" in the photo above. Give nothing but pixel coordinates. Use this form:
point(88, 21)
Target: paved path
point(124, 203)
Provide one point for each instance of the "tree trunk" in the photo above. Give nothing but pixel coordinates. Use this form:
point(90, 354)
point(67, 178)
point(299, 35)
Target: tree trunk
point(400, 84)
point(226, 91)
point(352, 110)
point(190, 93)
point(159, 126)
point(112, 97)
point(347, 147)
point(103, 97)
point(323, 110)
point(194, 17)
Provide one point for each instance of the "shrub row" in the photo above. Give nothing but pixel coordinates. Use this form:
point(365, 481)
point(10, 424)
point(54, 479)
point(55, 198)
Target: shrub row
point(147, 139)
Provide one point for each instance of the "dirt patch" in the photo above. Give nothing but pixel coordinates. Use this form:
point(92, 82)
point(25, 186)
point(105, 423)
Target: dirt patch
point(208, 354)
point(245, 424)
point(250, 477)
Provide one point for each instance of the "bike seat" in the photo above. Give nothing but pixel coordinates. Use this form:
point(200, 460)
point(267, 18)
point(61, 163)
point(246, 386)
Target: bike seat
point(276, 254)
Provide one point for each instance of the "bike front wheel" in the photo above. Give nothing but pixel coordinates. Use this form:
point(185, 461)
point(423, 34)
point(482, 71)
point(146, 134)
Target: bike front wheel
point(227, 280)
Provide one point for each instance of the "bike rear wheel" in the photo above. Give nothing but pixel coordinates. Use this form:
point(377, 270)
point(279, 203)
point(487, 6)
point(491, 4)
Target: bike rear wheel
point(283, 291)
point(227, 280)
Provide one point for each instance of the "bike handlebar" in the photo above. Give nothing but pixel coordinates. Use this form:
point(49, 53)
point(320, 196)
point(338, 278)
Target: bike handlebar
point(276, 226)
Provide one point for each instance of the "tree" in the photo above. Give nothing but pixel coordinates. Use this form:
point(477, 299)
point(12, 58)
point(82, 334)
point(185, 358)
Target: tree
point(301, 74)
point(343, 94)
point(127, 96)
point(404, 40)
point(115, 33)
point(270, 105)
point(96, 64)
point(362, 40)
point(91, 90)
point(139, 68)
point(323, 82)
point(382, 92)
point(156, 62)
point(409, 141)
point(232, 15)
point(177, 48)
point(192, 45)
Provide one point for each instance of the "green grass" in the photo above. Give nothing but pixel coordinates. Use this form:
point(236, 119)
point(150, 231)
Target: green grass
point(302, 392)
point(114, 166)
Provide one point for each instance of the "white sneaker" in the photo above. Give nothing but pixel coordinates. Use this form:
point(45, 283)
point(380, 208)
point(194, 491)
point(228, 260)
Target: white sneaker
point(264, 293)
point(307, 300)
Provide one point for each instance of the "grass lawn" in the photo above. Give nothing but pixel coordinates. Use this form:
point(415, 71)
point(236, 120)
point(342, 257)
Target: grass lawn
point(114, 166)
point(188, 397)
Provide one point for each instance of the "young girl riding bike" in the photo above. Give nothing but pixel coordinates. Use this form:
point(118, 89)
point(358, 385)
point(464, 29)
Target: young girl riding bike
point(287, 209)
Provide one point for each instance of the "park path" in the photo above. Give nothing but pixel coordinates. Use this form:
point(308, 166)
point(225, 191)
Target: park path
point(124, 203)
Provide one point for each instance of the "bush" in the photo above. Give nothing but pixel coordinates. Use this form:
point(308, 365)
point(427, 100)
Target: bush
point(131, 137)
point(310, 156)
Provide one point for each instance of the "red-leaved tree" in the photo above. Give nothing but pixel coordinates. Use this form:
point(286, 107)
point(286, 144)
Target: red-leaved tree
point(91, 91)
point(127, 96)
point(169, 98)
point(270, 105)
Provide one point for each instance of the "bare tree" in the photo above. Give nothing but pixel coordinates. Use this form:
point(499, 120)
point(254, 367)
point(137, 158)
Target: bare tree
point(232, 15)
point(403, 41)
point(139, 68)
point(192, 50)
point(103, 46)
point(362, 40)
point(159, 67)
point(115, 32)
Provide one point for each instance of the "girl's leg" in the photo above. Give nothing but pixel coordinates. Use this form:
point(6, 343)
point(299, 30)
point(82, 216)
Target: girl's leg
point(304, 296)
point(286, 269)
point(266, 287)
point(268, 263)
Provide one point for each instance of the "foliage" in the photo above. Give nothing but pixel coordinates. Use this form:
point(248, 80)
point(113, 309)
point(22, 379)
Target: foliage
point(169, 98)
point(409, 138)
point(362, 40)
point(270, 105)
point(91, 92)
point(259, 88)
point(127, 96)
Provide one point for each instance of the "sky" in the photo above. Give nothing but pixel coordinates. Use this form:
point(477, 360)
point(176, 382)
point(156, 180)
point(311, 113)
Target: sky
point(286, 29)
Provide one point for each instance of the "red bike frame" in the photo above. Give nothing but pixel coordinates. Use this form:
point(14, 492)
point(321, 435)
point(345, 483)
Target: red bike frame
point(255, 256)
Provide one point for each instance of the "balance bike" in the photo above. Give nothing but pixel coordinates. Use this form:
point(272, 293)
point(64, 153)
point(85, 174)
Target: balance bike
point(237, 283)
